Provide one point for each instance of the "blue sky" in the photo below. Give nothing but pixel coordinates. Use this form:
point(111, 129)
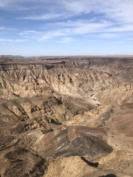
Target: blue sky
point(66, 27)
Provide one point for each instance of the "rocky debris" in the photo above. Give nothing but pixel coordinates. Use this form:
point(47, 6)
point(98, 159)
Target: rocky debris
point(69, 142)
point(33, 151)
point(66, 117)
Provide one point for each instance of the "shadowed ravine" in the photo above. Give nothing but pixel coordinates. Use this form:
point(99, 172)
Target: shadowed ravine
point(63, 117)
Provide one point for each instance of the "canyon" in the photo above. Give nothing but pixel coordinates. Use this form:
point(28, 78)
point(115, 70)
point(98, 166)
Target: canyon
point(66, 116)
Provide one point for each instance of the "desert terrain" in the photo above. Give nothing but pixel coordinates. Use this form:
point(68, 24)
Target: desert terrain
point(66, 116)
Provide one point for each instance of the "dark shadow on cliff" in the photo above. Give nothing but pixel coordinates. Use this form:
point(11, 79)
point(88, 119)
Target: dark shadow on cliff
point(92, 164)
point(109, 175)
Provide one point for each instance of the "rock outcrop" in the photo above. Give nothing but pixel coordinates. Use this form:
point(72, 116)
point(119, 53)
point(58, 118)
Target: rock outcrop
point(63, 117)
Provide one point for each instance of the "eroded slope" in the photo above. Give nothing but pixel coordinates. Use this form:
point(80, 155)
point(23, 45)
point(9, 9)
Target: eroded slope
point(66, 117)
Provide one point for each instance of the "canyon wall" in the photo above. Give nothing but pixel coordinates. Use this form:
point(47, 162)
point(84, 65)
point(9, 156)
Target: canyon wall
point(58, 111)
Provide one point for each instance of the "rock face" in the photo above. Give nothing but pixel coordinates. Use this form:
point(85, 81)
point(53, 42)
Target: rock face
point(63, 117)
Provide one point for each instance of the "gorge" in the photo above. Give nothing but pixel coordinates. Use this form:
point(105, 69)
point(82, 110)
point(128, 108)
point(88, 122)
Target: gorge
point(66, 116)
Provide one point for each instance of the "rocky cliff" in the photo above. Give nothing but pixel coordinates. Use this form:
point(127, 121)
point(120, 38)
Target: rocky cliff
point(68, 116)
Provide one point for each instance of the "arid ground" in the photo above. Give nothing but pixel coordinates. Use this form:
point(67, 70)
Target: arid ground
point(66, 116)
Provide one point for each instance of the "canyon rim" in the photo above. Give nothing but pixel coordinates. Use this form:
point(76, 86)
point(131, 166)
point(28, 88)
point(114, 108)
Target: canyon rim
point(66, 116)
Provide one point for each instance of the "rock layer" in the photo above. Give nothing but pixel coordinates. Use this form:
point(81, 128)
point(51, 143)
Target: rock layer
point(66, 117)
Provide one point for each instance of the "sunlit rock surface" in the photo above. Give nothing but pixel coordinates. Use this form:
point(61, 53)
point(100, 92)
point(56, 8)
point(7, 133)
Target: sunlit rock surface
point(66, 116)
